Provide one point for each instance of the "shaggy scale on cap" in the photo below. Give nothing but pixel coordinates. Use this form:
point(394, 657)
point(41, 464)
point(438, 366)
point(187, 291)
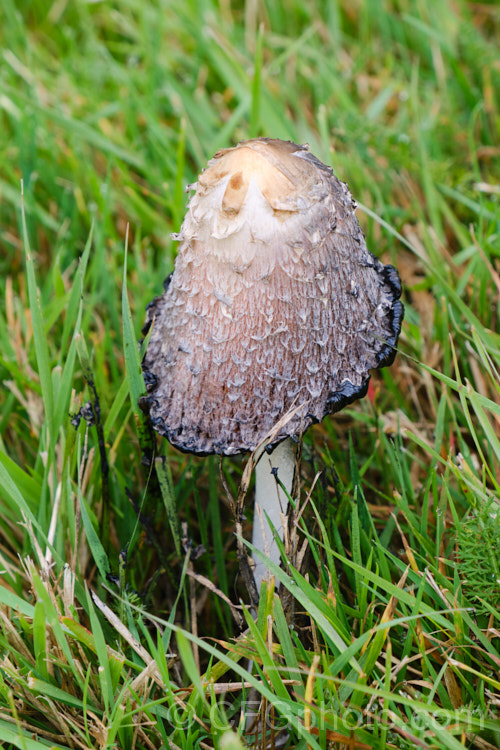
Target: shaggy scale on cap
point(275, 303)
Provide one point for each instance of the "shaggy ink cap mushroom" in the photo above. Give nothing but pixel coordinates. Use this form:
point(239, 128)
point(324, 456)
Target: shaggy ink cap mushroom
point(275, 303)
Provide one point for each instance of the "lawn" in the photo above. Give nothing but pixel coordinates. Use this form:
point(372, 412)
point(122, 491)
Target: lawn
point(124, 619)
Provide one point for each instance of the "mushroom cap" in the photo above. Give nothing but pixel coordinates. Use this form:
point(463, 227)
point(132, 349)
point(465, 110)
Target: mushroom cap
point(275, 304)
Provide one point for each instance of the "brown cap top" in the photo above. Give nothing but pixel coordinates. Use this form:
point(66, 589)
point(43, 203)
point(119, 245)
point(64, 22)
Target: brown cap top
point(275, 303)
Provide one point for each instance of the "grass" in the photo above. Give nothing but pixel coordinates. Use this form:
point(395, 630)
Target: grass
point(123, 621)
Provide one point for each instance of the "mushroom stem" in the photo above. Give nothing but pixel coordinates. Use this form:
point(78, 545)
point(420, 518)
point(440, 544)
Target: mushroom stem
point(271, 502)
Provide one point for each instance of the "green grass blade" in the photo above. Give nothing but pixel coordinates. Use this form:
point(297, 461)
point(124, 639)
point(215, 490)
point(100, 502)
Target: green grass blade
point(168, 495)
point(131, 350)
point(39, 335)
point(24, 740)
point(254, 128)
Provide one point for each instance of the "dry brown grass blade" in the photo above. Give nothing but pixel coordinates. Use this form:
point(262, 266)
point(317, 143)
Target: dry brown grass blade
point(208, 584)
point(481, 744)
point(388, 613)
point(309, 693)
point(128, 637)
point(408, 550)
point(390, 609)
point(453, 688)
point(13, 637)
point(350, 743)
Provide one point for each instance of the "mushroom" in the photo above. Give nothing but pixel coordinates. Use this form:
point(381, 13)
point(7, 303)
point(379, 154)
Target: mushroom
point(275, 307)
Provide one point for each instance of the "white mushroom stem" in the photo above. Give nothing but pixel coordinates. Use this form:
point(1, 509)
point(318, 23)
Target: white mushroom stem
point(271, 502)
